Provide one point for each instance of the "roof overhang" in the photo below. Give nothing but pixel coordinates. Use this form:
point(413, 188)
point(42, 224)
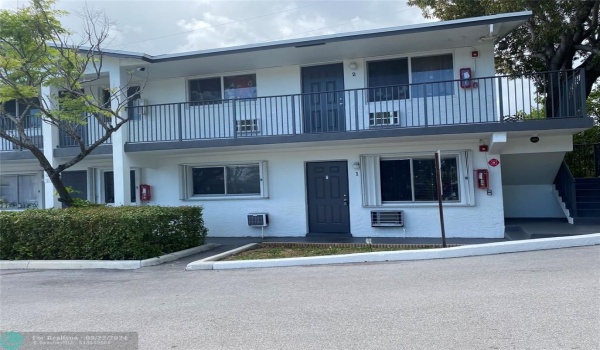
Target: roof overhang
point(442, 35)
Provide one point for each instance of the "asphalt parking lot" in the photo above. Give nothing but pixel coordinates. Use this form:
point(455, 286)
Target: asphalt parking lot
point(536, 300)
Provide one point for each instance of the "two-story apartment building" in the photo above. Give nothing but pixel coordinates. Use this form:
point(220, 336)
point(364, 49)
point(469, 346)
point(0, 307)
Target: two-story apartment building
point(330, 135)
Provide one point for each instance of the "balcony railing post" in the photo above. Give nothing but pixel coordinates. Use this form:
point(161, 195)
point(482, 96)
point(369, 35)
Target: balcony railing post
point(425, 104)
point(233, 116)
point(500, 99)
point(294, 115)
point(180, 122)
point(582, 92)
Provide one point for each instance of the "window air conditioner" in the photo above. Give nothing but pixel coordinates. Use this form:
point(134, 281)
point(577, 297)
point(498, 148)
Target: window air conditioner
point(258, 220)
point(387, 218)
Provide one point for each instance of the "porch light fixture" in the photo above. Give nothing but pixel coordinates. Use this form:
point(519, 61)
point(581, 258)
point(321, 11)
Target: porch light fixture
point(356, 165)
point(534, 139)
point(353, 65)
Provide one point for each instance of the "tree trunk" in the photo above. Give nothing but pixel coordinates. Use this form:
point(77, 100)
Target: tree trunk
point(63, 195)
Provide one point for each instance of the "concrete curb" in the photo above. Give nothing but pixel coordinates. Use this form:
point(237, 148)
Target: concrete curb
point(101, 264)
point(207, 263)
point(442, 253)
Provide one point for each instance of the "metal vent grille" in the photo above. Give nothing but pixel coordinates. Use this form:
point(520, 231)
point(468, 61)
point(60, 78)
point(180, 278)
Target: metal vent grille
point(387, 218)
point(258, 220)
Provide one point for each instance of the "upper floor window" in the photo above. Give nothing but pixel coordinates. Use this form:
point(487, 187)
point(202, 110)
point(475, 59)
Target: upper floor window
point(388, 80)
point(212, 90)
point(16, 109)
point(431, 75)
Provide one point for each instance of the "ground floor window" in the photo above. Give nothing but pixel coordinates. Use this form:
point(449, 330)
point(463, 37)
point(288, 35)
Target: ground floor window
point(401, 179)
point(19, 191)
point(413, 179)
point(227, 180)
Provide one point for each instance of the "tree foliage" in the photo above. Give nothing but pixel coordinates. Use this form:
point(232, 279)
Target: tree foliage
point(560, 35)
point(36, 51)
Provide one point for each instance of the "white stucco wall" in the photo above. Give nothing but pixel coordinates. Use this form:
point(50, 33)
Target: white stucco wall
point(283, 115)
point(286, 204)
point(531, 201)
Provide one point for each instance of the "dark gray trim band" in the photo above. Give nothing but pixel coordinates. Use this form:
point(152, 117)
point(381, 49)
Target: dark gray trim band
point(73, 151)
point(538, 125)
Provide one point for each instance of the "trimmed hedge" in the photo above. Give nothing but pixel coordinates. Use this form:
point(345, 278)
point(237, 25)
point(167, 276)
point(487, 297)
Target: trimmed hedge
point(99, 233)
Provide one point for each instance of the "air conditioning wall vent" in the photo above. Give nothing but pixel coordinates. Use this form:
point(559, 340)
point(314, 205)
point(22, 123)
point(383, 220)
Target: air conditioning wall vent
point(258, 219)
point(387, 218)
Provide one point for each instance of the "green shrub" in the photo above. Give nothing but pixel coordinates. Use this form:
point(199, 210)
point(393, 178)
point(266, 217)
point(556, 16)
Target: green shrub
point(105, 233)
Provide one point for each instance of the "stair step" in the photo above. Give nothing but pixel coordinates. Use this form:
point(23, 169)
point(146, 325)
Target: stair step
point(587, 213)
point(587, 199)
point(586, 221)
point(587, 186)
point(588, 180)
point(588, 205)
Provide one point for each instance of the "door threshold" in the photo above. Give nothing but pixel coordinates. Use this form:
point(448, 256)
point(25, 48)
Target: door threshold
point(329, 237)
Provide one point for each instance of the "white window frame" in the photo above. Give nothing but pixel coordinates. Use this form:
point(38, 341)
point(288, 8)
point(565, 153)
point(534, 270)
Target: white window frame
point(371, 180)
point(222, 82)
point(186, 181)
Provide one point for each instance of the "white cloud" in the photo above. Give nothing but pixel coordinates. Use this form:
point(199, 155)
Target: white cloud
point(162, 26)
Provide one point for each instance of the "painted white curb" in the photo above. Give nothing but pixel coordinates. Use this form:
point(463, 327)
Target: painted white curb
point(440, 253)
point(101, 264)
point(207, 263)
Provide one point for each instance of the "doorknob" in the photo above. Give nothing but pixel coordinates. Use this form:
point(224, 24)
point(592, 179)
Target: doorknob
point(345, 201)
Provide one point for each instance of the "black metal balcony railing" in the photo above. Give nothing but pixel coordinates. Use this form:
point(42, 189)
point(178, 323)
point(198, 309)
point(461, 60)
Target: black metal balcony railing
point(487, 100)
point(32, 128)
point(90, 132)
point(495, 99)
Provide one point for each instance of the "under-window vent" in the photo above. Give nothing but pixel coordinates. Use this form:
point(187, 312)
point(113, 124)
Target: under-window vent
point(387, 218)
point(383, 118)
point(247, 126)
point(258, 220)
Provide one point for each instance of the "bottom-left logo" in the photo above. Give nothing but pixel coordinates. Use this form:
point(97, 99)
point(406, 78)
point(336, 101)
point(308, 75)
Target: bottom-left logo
point(11, 340)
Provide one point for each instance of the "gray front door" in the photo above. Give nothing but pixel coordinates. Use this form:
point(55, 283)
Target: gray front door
point(323, 98)
point(327, 196)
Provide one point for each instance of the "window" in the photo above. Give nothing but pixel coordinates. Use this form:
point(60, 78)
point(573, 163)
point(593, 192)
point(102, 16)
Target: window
point(223, 180)
point(134, 109)
point(410, 179)
point(213, 90)
point(205, 91)
point(19, 191)
point(427, 71)
point(414, 179)
point(240, 86)
point(388, 80)
point(15, 109)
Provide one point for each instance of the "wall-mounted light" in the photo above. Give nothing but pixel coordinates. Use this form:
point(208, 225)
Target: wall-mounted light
point(534, 138)
point(356, 165)
point(353, 65)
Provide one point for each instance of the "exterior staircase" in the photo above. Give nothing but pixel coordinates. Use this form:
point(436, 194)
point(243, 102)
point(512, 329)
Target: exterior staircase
point(579, 197)
point(587, 201)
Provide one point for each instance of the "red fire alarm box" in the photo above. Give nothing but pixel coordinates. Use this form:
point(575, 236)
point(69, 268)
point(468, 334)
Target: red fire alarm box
point(145, 193)
point(465, 78)
point(482, 176)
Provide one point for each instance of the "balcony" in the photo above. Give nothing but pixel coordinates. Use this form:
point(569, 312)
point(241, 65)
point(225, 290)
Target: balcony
point(32, 128)
point(498, 99)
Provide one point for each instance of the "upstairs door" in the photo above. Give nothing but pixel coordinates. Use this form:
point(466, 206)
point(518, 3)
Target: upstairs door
point(323, 99)
point(327, 197)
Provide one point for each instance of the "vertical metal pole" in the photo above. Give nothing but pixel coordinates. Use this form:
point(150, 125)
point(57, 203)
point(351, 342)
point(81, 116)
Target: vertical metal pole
point(180, 123)
point(500, 99)
point(234, 118)
point(438, 180)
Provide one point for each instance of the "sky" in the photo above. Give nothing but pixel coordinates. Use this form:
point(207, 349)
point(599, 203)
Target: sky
point(160, 27)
